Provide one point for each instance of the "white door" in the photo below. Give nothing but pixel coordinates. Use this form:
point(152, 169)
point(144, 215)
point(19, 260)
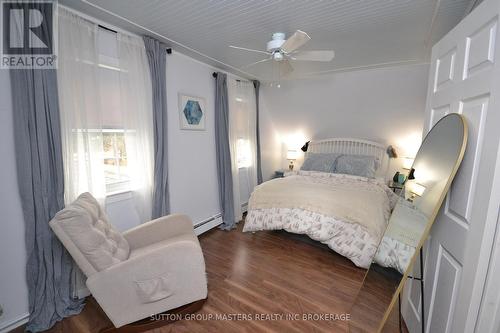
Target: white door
point(464, 78)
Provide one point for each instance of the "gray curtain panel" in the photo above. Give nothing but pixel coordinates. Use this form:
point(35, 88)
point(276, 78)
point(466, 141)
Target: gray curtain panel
point(157, 58)
point(41, 187)
point(225, 178)
point(256, 85)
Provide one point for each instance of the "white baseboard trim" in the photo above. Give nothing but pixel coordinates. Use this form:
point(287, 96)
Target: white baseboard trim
point(80, 289)
point(14, 323)
point(207, 224)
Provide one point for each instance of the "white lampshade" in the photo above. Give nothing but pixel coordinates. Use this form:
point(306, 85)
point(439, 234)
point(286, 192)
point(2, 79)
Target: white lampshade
point(292, 154)
point(407, 163)
point(417, 189)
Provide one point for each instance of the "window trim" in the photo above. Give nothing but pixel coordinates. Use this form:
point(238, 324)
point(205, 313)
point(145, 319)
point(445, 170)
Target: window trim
point(118, 196)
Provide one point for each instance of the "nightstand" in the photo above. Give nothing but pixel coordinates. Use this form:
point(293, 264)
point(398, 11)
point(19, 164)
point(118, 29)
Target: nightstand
point(279, 173)
point(396, 187)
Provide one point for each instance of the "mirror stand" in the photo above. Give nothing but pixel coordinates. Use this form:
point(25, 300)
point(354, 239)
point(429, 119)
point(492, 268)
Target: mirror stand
point(422, 306)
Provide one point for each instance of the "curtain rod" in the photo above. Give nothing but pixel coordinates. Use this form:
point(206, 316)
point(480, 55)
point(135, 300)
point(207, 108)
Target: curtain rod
point(214, 74)
point(169, 50)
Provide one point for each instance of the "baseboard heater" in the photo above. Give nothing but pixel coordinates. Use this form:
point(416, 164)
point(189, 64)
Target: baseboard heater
point(207, 224)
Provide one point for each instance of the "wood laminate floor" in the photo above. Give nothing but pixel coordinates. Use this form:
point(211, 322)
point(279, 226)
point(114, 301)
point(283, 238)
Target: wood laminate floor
point(262, 274)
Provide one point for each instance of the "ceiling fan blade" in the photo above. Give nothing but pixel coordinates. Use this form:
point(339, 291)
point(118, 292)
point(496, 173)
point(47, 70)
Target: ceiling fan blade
point(284, 68)
point(298, 39)
point(245, 49)
point(313, 56)
point(255, 63)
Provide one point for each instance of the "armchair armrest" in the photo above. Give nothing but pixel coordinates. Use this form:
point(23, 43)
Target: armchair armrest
point(158, 230)
point(159, 280)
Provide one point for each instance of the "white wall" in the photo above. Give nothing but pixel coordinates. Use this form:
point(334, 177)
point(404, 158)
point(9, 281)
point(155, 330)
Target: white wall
point(385, 105)
point(13, 291)
point(191, 154)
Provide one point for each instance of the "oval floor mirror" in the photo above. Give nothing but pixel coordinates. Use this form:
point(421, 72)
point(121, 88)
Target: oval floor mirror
point(429, 179)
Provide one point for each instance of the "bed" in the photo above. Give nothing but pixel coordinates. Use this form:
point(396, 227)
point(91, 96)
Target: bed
point(348, 213)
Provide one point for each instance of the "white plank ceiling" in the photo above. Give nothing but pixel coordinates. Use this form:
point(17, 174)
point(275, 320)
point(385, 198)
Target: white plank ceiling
point(363, 33)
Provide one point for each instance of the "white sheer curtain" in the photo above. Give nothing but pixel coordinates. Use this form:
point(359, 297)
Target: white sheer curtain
point(101, 94)
point(242, 139)
point(137, 111)
point(79, 100)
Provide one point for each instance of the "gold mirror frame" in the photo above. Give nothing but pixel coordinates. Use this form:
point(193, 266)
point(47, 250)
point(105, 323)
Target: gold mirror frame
point(426, 231)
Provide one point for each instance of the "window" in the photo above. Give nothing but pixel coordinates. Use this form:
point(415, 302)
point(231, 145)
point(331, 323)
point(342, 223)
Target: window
point(106, 112)
point(243, 153)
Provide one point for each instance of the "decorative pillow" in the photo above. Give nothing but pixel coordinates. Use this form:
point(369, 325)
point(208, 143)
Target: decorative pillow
point(322, 162)
point(86, 224)
point(357, 165)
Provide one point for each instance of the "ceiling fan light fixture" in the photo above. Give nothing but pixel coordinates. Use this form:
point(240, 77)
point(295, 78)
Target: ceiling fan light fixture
point(278, 56)
point(281, 51)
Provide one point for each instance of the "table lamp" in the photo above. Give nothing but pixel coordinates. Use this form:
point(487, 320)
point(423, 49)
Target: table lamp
point(291, 155)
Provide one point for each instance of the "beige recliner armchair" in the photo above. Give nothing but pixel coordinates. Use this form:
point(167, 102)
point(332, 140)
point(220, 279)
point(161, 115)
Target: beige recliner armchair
point(152, 268)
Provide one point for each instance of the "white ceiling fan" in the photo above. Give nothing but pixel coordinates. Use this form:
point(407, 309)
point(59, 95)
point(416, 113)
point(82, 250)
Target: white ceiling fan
point(281, 51)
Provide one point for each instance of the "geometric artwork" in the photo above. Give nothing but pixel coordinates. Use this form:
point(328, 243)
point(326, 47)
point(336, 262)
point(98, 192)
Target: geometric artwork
point(192, 112)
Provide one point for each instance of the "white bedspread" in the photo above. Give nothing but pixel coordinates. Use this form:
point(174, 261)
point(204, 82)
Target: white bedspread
point(347, 213)
point(394, 253)
point(406, 227)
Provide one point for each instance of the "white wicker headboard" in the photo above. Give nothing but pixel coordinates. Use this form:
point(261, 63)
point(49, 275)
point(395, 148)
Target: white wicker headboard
point(353, 147)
